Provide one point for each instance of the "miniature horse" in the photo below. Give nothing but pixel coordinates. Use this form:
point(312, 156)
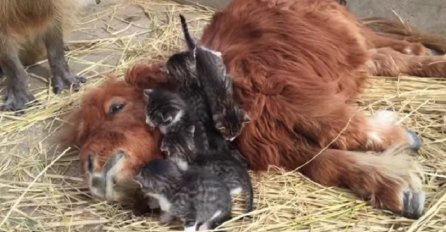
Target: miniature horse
point(297, 67)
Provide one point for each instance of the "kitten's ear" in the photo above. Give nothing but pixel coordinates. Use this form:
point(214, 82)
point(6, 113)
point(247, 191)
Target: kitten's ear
point(147, 93)
point(164, 69)
point(191, 129)
point(164, 148)
point(138, 179)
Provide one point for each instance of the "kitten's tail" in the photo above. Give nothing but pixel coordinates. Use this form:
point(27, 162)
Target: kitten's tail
point(249, 197)
point(189, 40)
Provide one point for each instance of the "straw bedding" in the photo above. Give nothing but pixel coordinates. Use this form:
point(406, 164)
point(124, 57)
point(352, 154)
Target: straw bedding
point(40, 185)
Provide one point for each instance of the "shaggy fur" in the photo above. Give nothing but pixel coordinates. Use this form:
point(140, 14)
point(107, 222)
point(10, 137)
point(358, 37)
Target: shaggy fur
point(402, 31)
point(297, 68)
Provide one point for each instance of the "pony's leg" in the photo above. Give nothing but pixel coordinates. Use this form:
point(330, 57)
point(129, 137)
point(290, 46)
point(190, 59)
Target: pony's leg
point(375, 40)
point(387, 181)
point(387, 62)
point(348, 128)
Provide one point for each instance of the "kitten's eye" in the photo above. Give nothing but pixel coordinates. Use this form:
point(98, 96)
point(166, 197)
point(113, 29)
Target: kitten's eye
point(222, 129)
point(115, 108)
point(168, 120)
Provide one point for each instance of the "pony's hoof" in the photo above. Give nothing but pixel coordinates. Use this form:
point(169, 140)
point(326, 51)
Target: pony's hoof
point(413, 204)
point(414, 140)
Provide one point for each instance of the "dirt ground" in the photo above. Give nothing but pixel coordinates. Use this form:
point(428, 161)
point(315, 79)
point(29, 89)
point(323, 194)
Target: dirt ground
point(40, 184)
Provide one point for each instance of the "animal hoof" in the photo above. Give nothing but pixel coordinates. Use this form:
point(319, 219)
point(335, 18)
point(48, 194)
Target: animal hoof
point(76, 84)
point(414, 140)
point(81, 79)
point(73, 82)
point(66, 47)
point(16, 101)
point(413, 204)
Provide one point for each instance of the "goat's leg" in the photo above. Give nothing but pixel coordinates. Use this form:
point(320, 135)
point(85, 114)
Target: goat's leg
point(17, 93)
point(62, 76)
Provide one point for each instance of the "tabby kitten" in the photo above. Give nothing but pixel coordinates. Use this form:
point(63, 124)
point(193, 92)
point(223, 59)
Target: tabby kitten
point(181, 68)
point(230, 171)
point(164, 109)
point(225, 163)
point(197, 198)
point(179, 146)
point(228, 117)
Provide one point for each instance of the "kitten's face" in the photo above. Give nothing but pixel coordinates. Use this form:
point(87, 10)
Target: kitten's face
point(180, 144)
point(158, 176)
point(231, 122)
point(163, 108)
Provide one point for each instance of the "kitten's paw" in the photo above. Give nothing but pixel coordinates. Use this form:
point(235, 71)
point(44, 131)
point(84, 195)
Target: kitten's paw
point(166, 218)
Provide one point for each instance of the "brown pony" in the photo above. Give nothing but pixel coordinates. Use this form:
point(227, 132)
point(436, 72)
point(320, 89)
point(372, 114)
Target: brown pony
point(297, 67)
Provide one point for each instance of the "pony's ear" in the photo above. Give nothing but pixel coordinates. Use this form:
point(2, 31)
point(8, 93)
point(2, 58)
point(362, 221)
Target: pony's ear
point(191, 129)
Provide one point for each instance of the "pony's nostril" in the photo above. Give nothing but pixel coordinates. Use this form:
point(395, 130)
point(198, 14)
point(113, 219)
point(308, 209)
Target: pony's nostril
point(97, 187)
point(97, 182)
point(90, 165)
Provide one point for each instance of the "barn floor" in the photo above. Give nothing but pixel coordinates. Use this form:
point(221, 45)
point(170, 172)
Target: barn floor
point(40, 185)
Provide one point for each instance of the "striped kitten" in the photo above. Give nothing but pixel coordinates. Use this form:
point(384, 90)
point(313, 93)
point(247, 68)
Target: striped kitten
point(228, 117)
point(199, 199)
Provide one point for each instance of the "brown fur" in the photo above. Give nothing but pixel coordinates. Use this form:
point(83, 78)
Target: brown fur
point(110, 140)
point(147, 74)
point(25, 20)
point(95, 106)
point(297, 76)
point(388, 62)
point(28, 31)
point(403, 31)
point(392, 52)
point(277, 90)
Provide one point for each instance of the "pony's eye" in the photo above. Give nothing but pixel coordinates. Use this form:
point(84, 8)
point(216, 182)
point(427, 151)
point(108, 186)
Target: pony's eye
point(116, 108)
